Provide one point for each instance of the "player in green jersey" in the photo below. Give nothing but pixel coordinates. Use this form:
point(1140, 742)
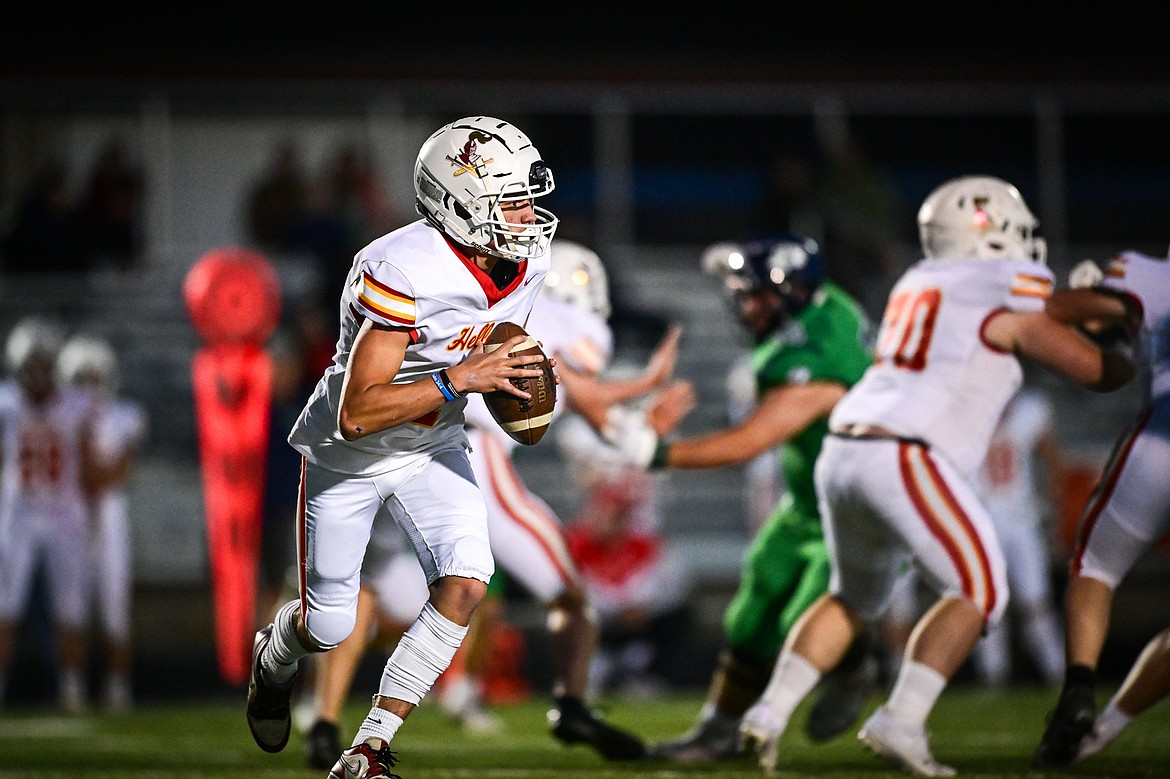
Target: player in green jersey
point(811, 343)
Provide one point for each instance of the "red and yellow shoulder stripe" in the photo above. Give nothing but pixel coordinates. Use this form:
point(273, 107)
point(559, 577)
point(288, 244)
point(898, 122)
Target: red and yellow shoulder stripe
point(1116, 268)
point(1030, 285)
point(386, 302)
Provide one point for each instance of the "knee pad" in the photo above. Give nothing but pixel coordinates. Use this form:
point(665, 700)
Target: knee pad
point(328, 627)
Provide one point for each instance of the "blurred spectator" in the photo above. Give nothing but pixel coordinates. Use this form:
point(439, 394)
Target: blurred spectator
point(110, 212)
point(639, 588)
point(838, 197)
point(278, 202)
point(347, 208)
point(358, 197)
point(861, 210)
point(791, 205)
point(119, 430)
point(44, 236)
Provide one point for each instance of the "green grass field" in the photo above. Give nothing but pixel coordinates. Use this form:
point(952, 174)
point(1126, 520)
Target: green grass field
point(981, 733)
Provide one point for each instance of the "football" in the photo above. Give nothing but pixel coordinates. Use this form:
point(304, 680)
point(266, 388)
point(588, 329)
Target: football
point(524, 420)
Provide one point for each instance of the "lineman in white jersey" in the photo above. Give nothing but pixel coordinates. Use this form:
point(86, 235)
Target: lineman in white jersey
point(382, 434)
point(895, 477)
point(120, 427)
point(1011, 489)
point(1127, 514)
point(569, 319)
point(44, 521)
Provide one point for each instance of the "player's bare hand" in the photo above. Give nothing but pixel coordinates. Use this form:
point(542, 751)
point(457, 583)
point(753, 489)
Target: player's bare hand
point(670, 406)
point(661, 365)
point(484, 371)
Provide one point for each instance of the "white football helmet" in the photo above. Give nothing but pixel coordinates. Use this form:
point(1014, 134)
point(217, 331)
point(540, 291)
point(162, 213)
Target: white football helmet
point(723, 259)
point(979, 217)
point(576, 275)
point(33, 337)
point(467, 169)
point(87, 359)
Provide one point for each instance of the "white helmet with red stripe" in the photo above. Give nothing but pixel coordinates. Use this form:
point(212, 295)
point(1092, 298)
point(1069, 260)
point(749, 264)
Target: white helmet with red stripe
point(979, 217)
point(467, 169)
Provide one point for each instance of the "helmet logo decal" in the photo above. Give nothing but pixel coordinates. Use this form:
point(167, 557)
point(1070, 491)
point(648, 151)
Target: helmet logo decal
point(468, 159)
point(981, 221)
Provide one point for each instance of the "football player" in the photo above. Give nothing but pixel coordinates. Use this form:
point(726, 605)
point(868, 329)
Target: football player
point(1128, 512)
point(383, 433)
point(47, 470)
point(811, 342)
point(1009, 487)
point(894, 477)
point(119, 431)
point(569, 319)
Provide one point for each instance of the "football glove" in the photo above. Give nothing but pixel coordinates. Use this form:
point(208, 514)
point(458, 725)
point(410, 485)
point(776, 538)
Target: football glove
point(628, 432)
point(1085, 274)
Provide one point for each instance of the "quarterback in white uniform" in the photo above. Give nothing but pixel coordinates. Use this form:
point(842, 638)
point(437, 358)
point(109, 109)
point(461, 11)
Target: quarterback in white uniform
point(1127, 514)
point(45, 432)
point(383, 437)
point(895, 480)
point(119, 430)
point(569, 318)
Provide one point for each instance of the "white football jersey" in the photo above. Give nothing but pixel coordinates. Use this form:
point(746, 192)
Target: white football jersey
point(119, 428)
point(1007, 478)
point(581, 338)
point(1148, 280)
point(414, 279)
point(42, 455)
point(934, 378)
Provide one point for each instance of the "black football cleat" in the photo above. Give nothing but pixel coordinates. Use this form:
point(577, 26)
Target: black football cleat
point(572, 723)
point(1071, 722)
point(842, 698)
point(269, 706)
point(712, 740)
point(322, 745)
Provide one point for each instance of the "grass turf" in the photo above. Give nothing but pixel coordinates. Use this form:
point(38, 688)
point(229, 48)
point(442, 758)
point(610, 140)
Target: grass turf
point(982, 733)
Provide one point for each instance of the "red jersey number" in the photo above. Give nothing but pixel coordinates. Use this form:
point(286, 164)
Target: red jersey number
point(41, 458)
point(908, 328)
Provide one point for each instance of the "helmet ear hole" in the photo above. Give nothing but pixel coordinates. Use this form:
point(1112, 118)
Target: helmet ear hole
point(460, 210)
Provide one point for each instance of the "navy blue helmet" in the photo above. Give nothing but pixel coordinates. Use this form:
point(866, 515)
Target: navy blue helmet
point(789, 265)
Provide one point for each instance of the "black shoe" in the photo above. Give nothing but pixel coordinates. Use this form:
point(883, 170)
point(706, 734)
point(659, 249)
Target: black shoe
point(269, 706)
point(572, 723)
point(843, 697)
point(322, 745)
point(713, 739)
point(1071, 722)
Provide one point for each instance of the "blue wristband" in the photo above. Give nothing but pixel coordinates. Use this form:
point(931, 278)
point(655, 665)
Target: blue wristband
point(441, 382)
